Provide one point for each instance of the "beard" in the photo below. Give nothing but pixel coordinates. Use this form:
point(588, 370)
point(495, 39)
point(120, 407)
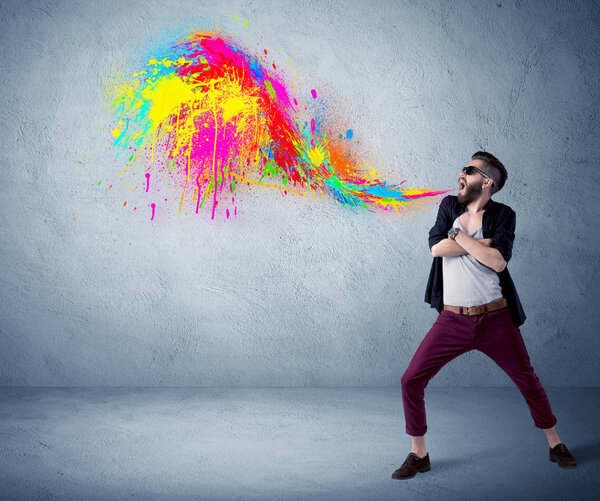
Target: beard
point(471, 194)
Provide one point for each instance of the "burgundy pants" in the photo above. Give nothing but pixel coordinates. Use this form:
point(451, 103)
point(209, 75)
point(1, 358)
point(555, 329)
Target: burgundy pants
point(494, 334)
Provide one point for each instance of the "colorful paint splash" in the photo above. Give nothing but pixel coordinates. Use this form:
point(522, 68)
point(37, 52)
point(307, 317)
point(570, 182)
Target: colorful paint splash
point(208, 117)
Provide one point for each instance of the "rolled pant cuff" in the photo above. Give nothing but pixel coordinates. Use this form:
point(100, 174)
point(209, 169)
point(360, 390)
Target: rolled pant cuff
point(416, 433)
point(545, 426)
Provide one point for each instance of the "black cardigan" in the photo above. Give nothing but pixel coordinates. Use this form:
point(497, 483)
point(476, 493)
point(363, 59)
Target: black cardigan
point(499, 225)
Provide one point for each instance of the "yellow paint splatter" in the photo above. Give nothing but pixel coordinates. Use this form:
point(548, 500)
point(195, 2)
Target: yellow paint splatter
point(316, 156)
point(167, 95)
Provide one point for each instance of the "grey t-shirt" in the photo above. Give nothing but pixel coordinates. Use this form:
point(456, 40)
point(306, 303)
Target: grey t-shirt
point(467, 282)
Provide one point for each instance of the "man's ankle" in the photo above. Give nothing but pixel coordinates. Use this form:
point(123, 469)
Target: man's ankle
point(419, 453)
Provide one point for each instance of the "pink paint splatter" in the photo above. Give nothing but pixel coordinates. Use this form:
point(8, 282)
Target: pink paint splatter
point(153, 205)
point(147, 181)
point(313, 92)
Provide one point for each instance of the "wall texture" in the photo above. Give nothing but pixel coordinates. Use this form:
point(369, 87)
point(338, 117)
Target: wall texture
point(295, 291)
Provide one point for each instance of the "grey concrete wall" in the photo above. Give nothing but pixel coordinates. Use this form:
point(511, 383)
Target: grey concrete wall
point(295, 292)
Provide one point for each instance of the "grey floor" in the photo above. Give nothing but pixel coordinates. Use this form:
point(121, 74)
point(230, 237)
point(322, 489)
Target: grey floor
point(287, 443)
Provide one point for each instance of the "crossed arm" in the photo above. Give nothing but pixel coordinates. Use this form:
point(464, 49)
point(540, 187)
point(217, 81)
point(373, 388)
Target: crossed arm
point(481, 250)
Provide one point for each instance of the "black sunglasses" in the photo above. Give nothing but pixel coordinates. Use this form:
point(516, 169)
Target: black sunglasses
point(470, 170)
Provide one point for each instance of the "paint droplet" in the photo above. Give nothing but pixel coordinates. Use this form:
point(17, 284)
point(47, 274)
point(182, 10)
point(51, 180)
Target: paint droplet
point(116, 132)
point(125, 203)
point(312, 125)
point(99, 183)
point(153, 209)
point(295, 102)
point(349, 134)
point(227, 212)
point(313, 93)
point(147, 181)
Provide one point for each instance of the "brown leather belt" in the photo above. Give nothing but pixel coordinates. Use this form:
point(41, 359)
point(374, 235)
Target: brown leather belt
point(479, 309)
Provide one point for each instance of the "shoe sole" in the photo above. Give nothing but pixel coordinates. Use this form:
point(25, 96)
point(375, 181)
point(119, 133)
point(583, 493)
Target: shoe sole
point(562, 466)
point(422, 470)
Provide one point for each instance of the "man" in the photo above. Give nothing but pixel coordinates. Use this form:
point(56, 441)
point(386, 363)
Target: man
point(478, 306)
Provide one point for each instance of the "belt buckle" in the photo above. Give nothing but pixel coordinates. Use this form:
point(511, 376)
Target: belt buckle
point(472, 311)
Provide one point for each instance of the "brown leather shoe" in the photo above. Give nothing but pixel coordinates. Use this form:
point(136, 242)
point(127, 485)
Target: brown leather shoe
point(561, 455)
point(413, 465)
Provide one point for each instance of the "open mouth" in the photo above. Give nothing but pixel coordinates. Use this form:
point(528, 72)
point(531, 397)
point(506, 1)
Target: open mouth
point(462, 184)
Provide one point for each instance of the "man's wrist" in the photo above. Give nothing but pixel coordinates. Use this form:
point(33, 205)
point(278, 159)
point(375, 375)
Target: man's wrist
point(460, 236)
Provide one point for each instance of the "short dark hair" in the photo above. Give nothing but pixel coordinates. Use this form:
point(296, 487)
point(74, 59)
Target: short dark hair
point(499, 173)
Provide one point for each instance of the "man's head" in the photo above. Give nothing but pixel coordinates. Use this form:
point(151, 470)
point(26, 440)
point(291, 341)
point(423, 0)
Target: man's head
point(485, 175)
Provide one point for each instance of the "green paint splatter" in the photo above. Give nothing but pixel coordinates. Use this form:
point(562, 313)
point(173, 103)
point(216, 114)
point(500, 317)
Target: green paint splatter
point(270, 89)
